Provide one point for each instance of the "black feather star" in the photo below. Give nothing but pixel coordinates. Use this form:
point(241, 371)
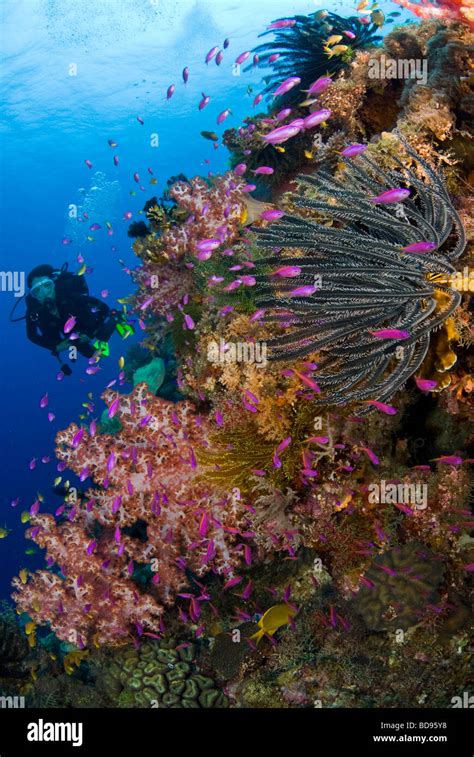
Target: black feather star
point(301, 50)
point(365, 281)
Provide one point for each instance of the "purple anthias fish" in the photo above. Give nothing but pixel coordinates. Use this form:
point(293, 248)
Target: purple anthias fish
point(281, 134)
point(351, 151)
point(318, 86)
point(391, 195)
point(205, 101)
point(170, 91)
point(185, 75)
point(219, 58)
point(287, 85)
point(391, 334)
point(419, 247)
point(257, 100)
point(316, 118)
point(283, 23)
point(242, 57)
point(273, 57)
point(272, 215)
point(212, 52)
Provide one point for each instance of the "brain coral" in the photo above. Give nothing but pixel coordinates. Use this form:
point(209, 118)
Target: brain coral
point(398, 586)
point(160, 674)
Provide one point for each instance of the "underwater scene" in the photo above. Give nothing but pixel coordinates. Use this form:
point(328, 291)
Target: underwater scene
point(237, 373)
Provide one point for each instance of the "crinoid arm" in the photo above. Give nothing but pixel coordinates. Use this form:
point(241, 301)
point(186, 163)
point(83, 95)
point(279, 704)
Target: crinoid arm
point(364, 281)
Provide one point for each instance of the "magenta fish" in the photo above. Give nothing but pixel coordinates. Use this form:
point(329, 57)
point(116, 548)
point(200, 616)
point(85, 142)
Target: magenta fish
point(391, 195)
point(351, 151)
point(205, 101)
point(255, 61)
point(287, 271)
point(286, 86)
point(212, 52)
point(316, 118)
point(273, 57)
point(242, 57)
point(449, 459)
point(188, 321)
point(420, 247)
point(349, 34)
point(136, 177)
point(185, 74)
point(387, 409)
point(88, 163)
point(283, 114)
point(69, 325)
point(283, 23)
point(425, 385)
point(272, 215)
point(264, 170)
point(226, 43)
point(219, 58)
point(281, 134)
point(66, 241)
point(170, 91)
point(222, 116)
point(257, 100)
point(116, 160)
point(140, 120)
point(44, 401)
point(390, 334)
point(318, 86)
point(371, 455)
point(95, 227)
point(78, 437)
point(304, 291)
point(114, 408)
point(240, 169)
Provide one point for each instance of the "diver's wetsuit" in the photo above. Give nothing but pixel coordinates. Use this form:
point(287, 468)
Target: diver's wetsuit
point(45, 321)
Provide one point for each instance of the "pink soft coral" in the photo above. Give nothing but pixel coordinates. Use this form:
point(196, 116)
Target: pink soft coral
point(148, 513)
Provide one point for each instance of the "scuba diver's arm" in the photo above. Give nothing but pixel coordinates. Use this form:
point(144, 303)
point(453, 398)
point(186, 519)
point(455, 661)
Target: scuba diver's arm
point(34, 335)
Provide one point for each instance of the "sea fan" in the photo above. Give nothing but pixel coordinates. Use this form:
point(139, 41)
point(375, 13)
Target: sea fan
point(301, 50)
point(366, 281)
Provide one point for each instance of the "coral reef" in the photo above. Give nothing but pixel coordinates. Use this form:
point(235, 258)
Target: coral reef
point(158, 674)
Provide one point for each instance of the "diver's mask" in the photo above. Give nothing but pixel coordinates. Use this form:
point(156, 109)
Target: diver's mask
point(43, 289)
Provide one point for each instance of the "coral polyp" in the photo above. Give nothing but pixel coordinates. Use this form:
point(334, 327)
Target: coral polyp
point(362, 281)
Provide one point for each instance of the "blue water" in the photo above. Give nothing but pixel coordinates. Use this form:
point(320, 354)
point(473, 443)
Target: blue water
point(125, 54)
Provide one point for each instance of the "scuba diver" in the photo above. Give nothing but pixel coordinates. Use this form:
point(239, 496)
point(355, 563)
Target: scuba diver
point(54, 296)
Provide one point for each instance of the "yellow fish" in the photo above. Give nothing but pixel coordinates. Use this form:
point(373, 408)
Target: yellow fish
point(363, 4)
point(73, 659)
point(90, 239)
point(153, 181)
point(36, 606)
point(82, 270)
point(378, 18)
point(4, 532)
point(29, 627)
point(244, 216)
point(337, 50)
point(32, 640)
point(123, 301)
point(121, 362)
point(279, 148)
point(307, 103)
point(333, 39)
point(25, 516)
point(23, 575)
point(308, 154)
point(273, 619)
